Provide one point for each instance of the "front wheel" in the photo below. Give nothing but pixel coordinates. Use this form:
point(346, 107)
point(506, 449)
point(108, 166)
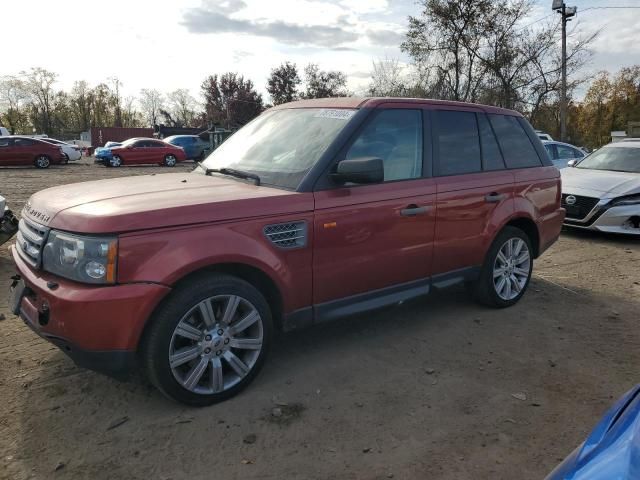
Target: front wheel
point(115, 161)
point(42, 161)
point(208, 341)
point(507, 269)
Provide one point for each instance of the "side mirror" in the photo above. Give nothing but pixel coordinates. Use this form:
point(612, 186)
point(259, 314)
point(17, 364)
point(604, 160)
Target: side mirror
point(572, 163)
point(359, 170)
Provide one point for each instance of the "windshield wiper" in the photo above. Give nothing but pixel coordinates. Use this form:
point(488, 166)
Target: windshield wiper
point(231, 171)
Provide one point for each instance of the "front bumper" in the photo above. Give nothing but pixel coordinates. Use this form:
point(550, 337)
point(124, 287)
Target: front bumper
point(99, 327)
point(622, 219)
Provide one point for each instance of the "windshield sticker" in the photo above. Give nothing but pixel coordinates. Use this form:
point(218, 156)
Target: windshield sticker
point(337, 114)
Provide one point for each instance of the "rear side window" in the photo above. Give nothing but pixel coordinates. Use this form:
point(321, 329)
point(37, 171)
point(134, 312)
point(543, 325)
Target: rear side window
point(395, 136)
point(491, 156)
point(458, 143)
point(23, 142)
point(516, 147)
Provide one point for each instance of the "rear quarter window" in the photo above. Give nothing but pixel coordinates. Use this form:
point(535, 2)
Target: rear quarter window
point(514, 142)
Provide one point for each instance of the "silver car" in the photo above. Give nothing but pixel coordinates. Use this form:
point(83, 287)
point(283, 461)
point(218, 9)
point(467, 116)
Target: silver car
point(562, 153)
point(602, 191)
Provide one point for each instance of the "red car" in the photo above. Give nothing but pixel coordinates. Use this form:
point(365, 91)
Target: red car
point(315, 210)
point(16, 151)
point(143, 151)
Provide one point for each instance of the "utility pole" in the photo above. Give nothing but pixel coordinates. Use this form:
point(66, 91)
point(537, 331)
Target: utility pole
point(566, 12)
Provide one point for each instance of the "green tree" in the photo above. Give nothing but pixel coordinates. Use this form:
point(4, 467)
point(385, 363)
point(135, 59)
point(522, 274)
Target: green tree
point(283, 83)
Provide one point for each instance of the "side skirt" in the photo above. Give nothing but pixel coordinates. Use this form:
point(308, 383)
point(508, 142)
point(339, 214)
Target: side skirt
point(363, 302)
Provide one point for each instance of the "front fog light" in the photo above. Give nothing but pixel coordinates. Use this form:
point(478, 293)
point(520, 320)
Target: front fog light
point(95, 270)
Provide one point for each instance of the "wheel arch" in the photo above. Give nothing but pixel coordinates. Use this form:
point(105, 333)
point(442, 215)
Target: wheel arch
point(530, 228)
point(249, 273)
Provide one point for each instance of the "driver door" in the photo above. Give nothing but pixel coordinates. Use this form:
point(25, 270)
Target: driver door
point(373, 243)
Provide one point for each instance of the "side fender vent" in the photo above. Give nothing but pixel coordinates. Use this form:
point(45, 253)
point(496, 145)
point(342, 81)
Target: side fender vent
point(287, 235)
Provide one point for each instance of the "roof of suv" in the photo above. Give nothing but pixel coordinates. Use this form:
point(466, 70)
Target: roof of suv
point(372, 102)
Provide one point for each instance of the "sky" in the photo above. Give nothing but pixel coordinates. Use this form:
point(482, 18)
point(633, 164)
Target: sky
point(167, 45)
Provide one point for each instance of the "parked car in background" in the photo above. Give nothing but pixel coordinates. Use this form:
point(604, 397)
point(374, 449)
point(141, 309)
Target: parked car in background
point(315, 210)
point(103, 154)
point(142, 151)
point(72, 152)
point(561, 153)
point(543, 136)
point(194, 147)
point(8, 222)
point(16, 150)
point(611, 449)
point(602, 192)
point(4, 132)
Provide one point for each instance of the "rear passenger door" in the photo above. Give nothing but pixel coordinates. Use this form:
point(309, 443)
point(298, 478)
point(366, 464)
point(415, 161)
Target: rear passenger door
point(25, 151)
point(474, 191)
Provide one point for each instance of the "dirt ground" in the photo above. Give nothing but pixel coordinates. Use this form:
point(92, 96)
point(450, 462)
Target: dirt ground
point(423, 390)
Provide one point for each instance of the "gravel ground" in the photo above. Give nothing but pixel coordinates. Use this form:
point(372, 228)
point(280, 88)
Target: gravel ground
point(438, 388)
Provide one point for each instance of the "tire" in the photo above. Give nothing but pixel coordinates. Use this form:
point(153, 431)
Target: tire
point(181, 355)
point(66, 159)
point(42, 161)
point(489, 289)
point(170, 161)
point(116, 161)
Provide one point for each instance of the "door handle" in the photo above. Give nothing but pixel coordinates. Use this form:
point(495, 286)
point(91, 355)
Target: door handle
point(494, 197)
point(413, 210)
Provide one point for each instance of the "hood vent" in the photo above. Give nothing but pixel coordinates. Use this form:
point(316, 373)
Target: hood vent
point(287, 235)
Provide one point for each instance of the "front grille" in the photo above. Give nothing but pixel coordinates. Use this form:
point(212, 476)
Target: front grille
point(287, 235)
point(30, 241)
point(581, 208)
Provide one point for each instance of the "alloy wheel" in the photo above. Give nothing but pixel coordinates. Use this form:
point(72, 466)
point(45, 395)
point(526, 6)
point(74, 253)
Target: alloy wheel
point(216, 344)
point(170, 161)
point(42, 161)
point(511, 268)
point(115, 161)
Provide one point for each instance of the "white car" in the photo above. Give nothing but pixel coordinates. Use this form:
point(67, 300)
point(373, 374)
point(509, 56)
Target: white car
point(562, 153)
point(73, 152)
point(4, 132)
point(602, 191)
point(544, 136)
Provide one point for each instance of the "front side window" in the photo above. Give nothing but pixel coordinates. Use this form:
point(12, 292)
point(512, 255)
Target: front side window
point(549, 148)
point(458, 143)
point(280, 146)
point(516, 147)
point(395, 136)
point(5, 142)
point(24, 142)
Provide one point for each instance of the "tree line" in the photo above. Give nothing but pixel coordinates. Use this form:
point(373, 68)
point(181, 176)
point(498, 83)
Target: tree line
point(30, 103)
point(481, 51)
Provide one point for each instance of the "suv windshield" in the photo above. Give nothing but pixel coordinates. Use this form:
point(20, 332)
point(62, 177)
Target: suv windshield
point(280, 146)
point(617, 159)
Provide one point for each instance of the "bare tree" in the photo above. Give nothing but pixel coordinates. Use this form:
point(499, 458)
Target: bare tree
point(39, 84)
point(182, 107)
point(388, 79)
point(151, 101)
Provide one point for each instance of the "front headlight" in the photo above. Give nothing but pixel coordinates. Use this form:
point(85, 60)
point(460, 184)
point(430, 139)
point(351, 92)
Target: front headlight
point(629, 200)
point(80, 258)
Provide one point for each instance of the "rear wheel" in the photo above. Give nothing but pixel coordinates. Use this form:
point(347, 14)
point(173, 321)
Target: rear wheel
point(42, 161)
point(170, 161)
point(209, 340)
point(506, 272)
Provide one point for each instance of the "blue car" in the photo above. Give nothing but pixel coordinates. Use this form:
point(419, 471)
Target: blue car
point(193, 145)
point(612, 450)
point(104, 153)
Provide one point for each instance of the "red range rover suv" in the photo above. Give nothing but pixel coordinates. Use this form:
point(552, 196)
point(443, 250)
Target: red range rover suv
point(15, 151)
point(315, 210)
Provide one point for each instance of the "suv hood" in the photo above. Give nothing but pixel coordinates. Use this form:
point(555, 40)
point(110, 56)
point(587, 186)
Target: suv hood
point(152, 201)
point(599, 183)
